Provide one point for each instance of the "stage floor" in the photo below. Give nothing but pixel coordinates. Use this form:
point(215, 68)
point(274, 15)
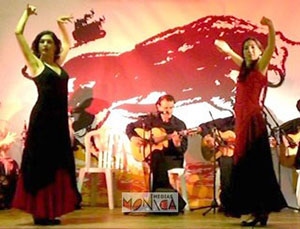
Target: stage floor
point(96, 217)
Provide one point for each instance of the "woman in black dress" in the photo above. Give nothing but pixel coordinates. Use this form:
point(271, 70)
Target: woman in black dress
point(47, 184)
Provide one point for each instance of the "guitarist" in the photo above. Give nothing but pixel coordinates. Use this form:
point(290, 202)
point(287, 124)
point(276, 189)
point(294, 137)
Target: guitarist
point(160, 161)
point(225, 162)
point(297, 160)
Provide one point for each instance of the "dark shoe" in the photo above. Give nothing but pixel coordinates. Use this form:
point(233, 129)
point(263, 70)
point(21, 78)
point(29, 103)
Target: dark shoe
point(253, 221)
point(41, 221)
point(54, 222)
point(264, 220)
point(46, 221)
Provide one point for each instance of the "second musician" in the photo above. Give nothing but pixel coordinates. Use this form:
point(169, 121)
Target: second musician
point(169, 157)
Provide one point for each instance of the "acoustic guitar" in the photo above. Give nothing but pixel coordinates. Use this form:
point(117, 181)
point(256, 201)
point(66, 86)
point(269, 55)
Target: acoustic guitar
point(288, 150)
point(155, 139)
point(224, 145)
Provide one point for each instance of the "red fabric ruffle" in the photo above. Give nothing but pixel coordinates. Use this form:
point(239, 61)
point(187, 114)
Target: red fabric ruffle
point(52, 201)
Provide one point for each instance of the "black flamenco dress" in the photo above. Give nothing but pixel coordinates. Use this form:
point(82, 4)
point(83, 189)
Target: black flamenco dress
point(254, 188)
point(47, 183)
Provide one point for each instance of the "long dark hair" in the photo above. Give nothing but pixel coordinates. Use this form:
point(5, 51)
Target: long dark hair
point(244, 70)
point(57, 42)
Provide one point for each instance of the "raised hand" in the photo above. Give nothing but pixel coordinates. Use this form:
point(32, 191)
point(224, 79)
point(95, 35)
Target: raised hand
point(222, 46)
point(66, 43)
point(65, 19)
point(265, 21)
point(31, 10)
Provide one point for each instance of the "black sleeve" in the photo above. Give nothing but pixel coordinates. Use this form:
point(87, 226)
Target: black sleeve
point(183, 147)
point(130, 130)
point(184, 141)
point(221, 124)
point(131, 126)
point(297, 159)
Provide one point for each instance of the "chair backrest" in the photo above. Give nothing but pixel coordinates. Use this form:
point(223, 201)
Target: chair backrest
point(193, 153)
point(112, 147)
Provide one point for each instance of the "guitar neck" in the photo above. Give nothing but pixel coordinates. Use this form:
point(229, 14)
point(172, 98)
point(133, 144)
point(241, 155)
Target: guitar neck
point(182, 133)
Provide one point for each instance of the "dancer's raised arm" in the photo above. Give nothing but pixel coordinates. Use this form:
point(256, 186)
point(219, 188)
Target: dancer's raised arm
point(264, 61)
point(66, 43)
point(222, 46)
point(33, 62)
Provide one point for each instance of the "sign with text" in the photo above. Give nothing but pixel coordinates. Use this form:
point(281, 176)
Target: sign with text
point(163, 202)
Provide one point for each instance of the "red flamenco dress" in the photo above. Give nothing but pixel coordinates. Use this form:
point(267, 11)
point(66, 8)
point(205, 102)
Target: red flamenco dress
point(47, 183)
point(254, 188)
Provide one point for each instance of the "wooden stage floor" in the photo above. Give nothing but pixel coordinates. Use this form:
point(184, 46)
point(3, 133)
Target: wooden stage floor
point(96, 217)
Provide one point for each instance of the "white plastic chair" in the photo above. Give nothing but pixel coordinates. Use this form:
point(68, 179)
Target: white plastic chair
point(108, 144)
point(298, 187)
point(192, 155)
point(182, 189)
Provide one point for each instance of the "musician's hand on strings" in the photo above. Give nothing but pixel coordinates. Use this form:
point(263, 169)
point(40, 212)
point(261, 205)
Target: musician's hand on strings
point(199, 129)
point(137, 141)
point(209, 141)
point(285, 141)
point(288, 141)
point(176, 138)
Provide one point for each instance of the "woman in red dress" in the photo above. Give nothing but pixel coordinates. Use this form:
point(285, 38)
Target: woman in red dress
point(47, 184)
point(254, 187)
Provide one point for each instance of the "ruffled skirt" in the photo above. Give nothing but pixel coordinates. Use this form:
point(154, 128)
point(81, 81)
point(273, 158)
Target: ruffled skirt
point(56, 199)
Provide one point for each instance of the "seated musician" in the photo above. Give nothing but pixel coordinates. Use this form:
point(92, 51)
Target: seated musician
point(220, 149)
point(169, 156)
point(290, 141)
point(8, 167)
point(6, 138)
point(297, 160)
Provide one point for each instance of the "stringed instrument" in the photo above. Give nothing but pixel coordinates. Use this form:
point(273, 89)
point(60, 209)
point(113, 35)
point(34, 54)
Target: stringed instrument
point(224, 145)
point(288, 150)
point(155, 139)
